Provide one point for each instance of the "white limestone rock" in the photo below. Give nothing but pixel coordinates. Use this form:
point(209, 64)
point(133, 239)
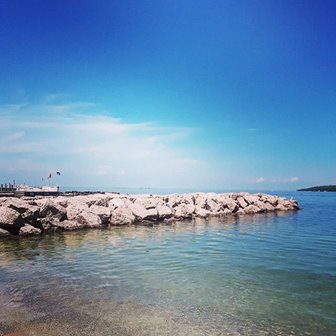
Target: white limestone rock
point(144, 214)
point(10, 220)
point(213, 206)
point(174, 200)
point(200, 201)
point(78, 202)
point(87, 218)
point(103, 202)
point(119, 202)
point(183, 211)
point(164, 212)
point(273, 200)
point(50, 209)
point(147, 203)
point(242, 203)
point(201, 212)
point(17, 204)
point(28, 209)
point(102, 212)
point(252, 209)
point(188, 199)
point(122, 216)
point(240, 212)
point(62, 201)
point(264, 206)
point(232, 206)
point(251, 199)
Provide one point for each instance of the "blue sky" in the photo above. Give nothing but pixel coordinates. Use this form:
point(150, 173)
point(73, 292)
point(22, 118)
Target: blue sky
point(196, 94)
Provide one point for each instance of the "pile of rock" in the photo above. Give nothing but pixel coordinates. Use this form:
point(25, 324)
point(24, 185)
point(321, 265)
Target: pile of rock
point(34, 216)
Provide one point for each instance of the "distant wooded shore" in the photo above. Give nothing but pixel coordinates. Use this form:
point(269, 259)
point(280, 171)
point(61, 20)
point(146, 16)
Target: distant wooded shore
point(328, 188)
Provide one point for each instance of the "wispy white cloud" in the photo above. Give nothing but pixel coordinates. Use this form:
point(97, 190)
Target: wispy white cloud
point(94, 147)
point(294, 179)
point(277, 180)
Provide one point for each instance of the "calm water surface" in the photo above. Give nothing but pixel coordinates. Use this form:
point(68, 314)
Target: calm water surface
point(259, 275)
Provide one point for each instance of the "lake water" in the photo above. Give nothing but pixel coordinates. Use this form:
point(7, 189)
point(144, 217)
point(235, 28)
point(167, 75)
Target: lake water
point(271, 274)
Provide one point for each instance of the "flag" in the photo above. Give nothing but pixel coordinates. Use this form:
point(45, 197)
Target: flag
point(49, 177)
point(58, 173)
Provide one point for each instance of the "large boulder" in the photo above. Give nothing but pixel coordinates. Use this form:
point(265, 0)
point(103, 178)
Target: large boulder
point(79, 202)
point(52, 210)
point(122, 216)
point(17, 204)
point(201, 201)
point(144, 214)
point(264, 206)
point(28, 209)
point(252, 209)
point(273, 200)
point(213, 205)
point(188, 199)
point(119, 202)
point(251, 199)
point(102, 212)
point(174, 200)
point(146, 202)
point(62, 201)
point(183, 211)
point(102, 202)
point(164, 212)
point(232, 206)
point(241, 202)
point(86, 218)
point(285, 204)
point(201, 212)
point(10, 220)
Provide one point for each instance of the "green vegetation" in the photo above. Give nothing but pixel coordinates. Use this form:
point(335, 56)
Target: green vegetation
point(320, 188)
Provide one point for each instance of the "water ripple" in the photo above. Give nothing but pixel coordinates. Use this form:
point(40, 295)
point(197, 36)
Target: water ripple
point(260, 275)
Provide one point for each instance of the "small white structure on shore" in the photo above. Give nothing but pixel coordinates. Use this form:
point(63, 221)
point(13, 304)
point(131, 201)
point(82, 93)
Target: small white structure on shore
point(26, 190)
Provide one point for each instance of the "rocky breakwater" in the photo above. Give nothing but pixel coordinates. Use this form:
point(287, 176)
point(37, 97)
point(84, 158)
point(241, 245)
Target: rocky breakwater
point(35, 216)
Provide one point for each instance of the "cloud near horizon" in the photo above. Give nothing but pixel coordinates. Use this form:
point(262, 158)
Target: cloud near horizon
point(260, 180)
point(274, 180)
point(92, 148)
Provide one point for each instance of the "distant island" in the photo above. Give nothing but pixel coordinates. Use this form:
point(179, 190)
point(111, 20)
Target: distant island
point(320, 188)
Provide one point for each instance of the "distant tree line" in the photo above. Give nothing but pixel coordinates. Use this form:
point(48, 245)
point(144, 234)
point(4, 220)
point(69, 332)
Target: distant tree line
point(320, 188)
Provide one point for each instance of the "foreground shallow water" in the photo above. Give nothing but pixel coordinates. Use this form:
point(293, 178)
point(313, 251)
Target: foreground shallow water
point(261, 275)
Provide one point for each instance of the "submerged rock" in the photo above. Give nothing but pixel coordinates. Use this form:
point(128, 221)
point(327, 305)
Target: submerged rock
point(29, 230)
point(4, 233)
point(68, 225)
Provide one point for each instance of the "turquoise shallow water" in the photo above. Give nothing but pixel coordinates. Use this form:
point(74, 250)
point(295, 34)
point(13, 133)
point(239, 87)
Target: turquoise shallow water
point(271, 274)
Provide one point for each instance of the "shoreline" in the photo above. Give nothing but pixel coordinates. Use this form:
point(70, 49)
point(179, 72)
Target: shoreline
point(34, 216)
